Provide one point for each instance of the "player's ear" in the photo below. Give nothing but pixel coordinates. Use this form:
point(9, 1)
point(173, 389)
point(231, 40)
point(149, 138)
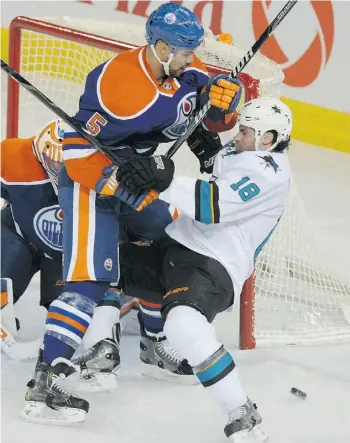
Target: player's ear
point(162, 49)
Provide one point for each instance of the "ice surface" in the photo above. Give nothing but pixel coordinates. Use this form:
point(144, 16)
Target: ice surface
point(148, 411)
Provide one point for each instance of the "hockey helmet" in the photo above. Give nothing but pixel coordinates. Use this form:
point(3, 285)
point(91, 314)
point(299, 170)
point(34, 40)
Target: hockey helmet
point(175, 25)
point(267, 114)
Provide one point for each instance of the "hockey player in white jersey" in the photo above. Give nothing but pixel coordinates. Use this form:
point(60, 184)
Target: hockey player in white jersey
point(223, 225)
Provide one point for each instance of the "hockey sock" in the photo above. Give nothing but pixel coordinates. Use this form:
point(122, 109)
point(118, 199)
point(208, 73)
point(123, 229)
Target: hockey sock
point(193, 337)
point(69, 317)
point(150, 318)
point(106, 315)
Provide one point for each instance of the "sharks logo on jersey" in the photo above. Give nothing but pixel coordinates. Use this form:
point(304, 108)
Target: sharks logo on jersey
point(184, 110)
point(48, 225)
point(269, 162)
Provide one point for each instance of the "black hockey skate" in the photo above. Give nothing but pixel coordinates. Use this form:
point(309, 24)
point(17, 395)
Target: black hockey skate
point(161, 361)
point(244, 425)
point(100, 364)
point(47, 401)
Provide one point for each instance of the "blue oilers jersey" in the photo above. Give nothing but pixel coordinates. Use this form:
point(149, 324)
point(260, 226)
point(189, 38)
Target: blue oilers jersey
point(125, 106)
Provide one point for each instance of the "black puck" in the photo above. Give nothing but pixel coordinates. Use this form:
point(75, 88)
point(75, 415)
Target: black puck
point(298, 393)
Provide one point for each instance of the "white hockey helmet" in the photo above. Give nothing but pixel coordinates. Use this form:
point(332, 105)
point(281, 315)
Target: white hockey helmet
point(267, 114)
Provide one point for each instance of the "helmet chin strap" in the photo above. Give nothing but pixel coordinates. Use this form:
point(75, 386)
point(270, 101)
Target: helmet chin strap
point(166, 65)
point(265, 150)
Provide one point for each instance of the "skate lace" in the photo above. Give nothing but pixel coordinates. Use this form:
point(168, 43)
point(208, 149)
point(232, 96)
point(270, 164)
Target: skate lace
point(169, 352)
point(56, 380)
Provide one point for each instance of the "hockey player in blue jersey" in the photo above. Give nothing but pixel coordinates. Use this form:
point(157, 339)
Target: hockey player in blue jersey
point(133, 102)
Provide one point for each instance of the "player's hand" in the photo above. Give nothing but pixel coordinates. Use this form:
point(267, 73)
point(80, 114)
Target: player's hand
point(205, 145)
point(109, 186)
point(147, 173)
point(138, 200)
point(224, 93)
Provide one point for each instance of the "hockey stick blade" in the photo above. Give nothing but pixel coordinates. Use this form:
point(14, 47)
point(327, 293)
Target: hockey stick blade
point(58, 111)
point(239, 68)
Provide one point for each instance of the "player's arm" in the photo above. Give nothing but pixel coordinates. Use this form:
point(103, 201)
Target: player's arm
point(227, 199)
point(104, 111)
point(84, 163)
point(236, 195)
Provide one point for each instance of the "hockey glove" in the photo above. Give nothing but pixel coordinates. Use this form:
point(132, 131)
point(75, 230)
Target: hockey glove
point(147, 173)
point(204, 145)
point(224, 93)
point(109, 186)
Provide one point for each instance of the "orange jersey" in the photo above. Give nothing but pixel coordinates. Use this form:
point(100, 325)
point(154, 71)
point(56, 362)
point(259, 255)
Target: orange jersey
point(28, 188)
point(125, 107)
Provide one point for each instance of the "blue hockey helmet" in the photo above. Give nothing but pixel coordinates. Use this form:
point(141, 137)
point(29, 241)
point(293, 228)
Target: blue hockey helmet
point(175, 25)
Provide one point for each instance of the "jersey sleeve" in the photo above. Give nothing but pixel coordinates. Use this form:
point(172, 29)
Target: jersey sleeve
point(233, 197)
point(109, 109)
point(19, 166)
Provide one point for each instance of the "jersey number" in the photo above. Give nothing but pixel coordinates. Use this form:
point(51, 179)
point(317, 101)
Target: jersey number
point(246, 192)
point(95, 123)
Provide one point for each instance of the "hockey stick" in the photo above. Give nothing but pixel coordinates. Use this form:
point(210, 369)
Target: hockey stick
point(239, 68)
point(59, 112)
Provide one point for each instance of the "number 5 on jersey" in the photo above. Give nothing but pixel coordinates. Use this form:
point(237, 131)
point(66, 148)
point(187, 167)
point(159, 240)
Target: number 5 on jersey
point(95, 123)
point(248, 191)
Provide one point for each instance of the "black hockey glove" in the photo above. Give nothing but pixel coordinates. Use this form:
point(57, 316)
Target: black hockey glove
point(147, 173)
point(204, 145)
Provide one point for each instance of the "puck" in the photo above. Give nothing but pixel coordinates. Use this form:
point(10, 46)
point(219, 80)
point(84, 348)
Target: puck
point(298, 393)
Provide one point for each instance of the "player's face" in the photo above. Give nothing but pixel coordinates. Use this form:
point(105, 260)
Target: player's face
point(182, 59)
point(245, 139)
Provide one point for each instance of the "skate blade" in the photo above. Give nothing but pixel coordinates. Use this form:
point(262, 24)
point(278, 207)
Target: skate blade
point(98, 382)
point(256, 435)
point(37, 412)
point(156, 373)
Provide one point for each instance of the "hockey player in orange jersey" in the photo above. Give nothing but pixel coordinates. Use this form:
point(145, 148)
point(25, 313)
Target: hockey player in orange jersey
point(131, 103)
point(31, 242)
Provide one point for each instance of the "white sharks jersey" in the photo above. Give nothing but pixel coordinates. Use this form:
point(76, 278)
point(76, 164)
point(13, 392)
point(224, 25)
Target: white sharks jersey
point(232, 216)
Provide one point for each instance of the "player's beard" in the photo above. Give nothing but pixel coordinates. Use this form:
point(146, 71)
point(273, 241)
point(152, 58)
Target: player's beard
point(177, 72)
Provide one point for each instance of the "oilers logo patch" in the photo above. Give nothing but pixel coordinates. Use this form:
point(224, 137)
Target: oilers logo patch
point(48, 225)
point(108, 264)
point(184, 110)
point(170, 18)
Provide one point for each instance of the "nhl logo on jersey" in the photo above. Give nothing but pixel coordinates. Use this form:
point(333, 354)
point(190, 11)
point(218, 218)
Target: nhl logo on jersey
point(184, 110)
point(167, 86)
point(49, 227)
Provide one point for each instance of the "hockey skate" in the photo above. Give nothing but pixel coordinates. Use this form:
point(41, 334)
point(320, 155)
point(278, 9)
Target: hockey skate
point(47, 401)
point(244, 425)
point(160, 361)
point(100, 364)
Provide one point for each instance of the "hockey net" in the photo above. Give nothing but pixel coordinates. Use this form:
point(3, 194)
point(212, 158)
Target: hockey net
point(295, 294)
